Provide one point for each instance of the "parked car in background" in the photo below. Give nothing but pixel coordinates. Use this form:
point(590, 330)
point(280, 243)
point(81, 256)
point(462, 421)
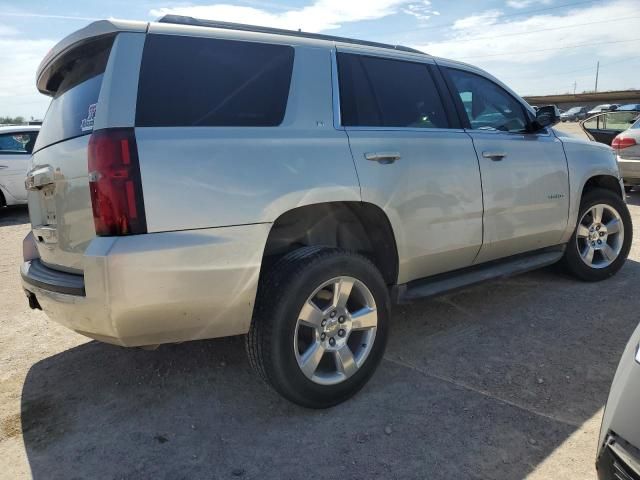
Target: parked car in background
point(16, 145)
point(619, 446)
point(627, 147)
point(629, 107)
point(574, 114)
point(186, 184)
point(620, 130)
point(607, 107)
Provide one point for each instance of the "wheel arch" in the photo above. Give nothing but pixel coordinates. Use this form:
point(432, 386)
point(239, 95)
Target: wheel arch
point(605, 181)
point(358, 226)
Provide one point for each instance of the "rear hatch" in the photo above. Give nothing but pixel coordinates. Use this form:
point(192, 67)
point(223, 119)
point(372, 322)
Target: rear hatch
point(59, 199)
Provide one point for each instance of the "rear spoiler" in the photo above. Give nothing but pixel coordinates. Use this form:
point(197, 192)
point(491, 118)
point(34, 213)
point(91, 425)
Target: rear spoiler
point(87, 34)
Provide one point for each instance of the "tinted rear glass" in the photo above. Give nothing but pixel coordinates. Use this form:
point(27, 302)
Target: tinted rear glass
point(78, 82)
point(380, 92)
point(190, 81)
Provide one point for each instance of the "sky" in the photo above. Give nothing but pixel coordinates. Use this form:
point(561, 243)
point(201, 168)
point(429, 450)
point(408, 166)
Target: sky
point(535, 46)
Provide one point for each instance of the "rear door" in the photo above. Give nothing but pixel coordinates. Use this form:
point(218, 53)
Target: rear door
point(15, 149)
point(524, 175)
point(604, 127)
point(412, 158)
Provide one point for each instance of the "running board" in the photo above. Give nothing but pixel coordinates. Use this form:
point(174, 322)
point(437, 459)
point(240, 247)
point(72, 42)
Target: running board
point(504, 268)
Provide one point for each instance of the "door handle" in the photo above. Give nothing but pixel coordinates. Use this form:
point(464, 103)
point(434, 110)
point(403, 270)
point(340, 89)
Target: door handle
point(383, 157)
point(495, 156)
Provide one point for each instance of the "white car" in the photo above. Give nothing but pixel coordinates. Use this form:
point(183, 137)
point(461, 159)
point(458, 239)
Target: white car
point(16, 145)
point(607, 107)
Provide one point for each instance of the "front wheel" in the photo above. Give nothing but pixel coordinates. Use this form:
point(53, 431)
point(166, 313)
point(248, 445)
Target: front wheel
point(601, 242)
point(320, 325)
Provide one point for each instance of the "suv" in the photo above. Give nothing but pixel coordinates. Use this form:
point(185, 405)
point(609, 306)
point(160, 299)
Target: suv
point(195, 179)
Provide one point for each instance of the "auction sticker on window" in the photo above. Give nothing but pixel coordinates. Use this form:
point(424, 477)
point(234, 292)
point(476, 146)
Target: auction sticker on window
point(87, 123)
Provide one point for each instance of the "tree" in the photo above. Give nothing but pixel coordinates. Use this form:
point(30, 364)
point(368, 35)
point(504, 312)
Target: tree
point(12, 120)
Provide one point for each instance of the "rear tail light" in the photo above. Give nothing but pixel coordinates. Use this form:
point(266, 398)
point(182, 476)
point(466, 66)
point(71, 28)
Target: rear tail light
point(114, 183)
point(623, 142)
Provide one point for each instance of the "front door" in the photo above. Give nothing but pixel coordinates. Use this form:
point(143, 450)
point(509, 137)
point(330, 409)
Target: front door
point(524, 175)
point(412, 159)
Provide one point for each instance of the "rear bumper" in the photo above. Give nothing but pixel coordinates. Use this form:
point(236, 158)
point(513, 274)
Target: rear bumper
point(156, 288)
point(630, 170)
point(618, 459)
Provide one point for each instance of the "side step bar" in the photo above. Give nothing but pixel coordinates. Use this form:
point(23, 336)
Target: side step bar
point(503, 268)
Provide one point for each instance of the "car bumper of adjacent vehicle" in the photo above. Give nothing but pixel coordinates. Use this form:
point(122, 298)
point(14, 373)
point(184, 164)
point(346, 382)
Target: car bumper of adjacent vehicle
point(618, 460)
point(155, 288)
point(630, 170)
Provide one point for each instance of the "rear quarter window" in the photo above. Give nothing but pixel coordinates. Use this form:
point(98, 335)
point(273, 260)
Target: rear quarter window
point(191, 81)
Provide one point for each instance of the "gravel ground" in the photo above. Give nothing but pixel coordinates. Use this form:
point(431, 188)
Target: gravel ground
point(504, 380)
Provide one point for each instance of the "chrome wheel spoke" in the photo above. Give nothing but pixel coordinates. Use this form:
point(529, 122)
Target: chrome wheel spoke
point(608, 252)
point(583, 231)
point(613, 226)
point(311, 359)
point(596, 213)
point(310, 315)
point(341, 292)
point(345, 362)
point(364, 318)
point(587, 254)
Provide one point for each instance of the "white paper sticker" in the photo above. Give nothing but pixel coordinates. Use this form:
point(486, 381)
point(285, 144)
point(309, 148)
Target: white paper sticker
point(87, 123)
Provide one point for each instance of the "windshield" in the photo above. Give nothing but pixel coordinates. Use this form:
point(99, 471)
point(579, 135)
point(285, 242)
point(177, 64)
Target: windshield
point(574, 110)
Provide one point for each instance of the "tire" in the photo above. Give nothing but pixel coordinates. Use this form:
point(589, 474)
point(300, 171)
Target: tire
point(280, 341)
point(628, 188)
point(603, 265)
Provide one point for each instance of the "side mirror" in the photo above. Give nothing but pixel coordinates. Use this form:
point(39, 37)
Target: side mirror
point(546, 116)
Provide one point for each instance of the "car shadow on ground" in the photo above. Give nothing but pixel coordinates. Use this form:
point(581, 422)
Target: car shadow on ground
point(485, 382)
point(633, 197)
point(15, 215)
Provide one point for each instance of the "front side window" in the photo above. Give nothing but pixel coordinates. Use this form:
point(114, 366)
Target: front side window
point(381, 92)
point(487, 105)
point(191, 81)
point(17, 142)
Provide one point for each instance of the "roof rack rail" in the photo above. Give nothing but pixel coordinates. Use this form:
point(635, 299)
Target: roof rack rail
point(197, 22)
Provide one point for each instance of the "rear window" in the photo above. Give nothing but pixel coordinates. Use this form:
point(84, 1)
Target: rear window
point(190, 81)
point(17, 142)
point(77, 84)
point(380, 92)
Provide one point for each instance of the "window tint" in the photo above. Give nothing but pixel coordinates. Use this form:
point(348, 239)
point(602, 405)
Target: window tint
point(380, 92)
point(17, 142)
point(488, 106)
point(187, 81)
point(78, 83)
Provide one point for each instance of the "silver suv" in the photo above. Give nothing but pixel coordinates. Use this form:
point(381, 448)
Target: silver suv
point(196, 179)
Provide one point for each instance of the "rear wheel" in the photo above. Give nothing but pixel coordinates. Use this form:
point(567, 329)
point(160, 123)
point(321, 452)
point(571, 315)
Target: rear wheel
point(320, 326)
point(601, 242)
